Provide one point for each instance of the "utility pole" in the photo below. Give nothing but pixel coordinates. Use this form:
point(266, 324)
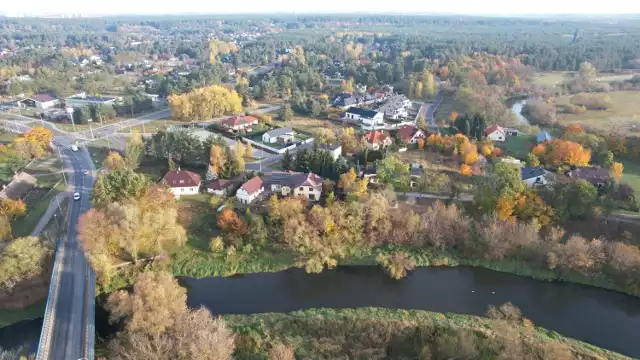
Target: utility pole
point(91, 129)
point(62, 168)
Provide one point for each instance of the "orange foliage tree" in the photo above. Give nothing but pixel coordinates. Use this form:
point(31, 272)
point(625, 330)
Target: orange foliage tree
point(453, 116)
point(559, 152)
point(420, 143)
point(465, 170)
point(573, 129)
point(526, 205)
point(616, 170)
point(229, 222)
point(12, 208)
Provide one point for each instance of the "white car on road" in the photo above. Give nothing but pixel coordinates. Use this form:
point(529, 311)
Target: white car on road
point(74, 147)
point(76, 196)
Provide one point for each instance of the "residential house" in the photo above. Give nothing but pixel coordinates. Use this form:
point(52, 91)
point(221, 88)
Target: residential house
point(334, 150)
point(289, 183)
point(220, 187)
point(495, 133)
point(512, 131)
point(82, 99)
point(596, 176)
point(369, 119)
point(370, 174)
point(376, 140)
point(250, 190)
point(396, 107)
point(384, 93)
point(182, 182)
point(282, 135)
point(415, 174)
point(534, 176)
point(410, 134)
point(39, 101)
point(543, 136)
point(19, 187)
point(237, 123)
point(346, 100)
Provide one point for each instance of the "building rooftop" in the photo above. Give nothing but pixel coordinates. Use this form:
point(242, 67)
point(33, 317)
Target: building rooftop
point(279, 131)
point(531, 172)
point(363, 112)
point(252, 185)
point(181, 178)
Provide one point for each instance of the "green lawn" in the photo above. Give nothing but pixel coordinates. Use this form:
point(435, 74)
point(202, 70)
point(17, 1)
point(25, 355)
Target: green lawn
point(11, 316)
point(24, 226)
point(631, 175)
point(517, 146)
point(623, 116)
point(153, 126)
point(552, 78)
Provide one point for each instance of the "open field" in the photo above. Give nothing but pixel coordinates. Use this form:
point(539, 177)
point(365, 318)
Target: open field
point(153, 126)
point(558, 77)
point(37, 203)
point(448, 105)
point(631, 174)
point(623, 116)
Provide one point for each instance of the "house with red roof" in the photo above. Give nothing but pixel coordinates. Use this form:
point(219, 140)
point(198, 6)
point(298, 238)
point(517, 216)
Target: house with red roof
point(410, 134)
point(182, 182)
point(250, 190)
point(376, 140)
point(239, 122)
point(495, 133)
point(220, 187)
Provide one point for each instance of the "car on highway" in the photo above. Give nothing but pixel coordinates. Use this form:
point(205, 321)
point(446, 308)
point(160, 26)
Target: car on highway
point(74, 148)
point(86, 172)
point(76, 196)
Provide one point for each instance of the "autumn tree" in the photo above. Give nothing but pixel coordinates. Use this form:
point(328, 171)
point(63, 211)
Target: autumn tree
point(348, 140)
point(158, 324)
point(229, 222)
point(143, 226)
point(117, 186)
point(465, 170)
point(5, 228)
point(325, 136)
point(217, 159)
point(39, 136)
point(349, 183)
point(205, 103)
point(429, 83)
point(248, 151)
point(616, 170)
point(12, 208)
point(22, 259)
point(133, 150)
point(114, 161)
point(393, 171)
point(558, 152)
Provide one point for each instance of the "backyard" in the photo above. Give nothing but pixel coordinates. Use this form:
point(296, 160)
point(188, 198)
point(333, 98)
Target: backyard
point(623, 116)
point(517, 146)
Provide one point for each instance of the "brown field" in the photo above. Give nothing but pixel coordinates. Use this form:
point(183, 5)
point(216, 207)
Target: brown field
point(624, 116)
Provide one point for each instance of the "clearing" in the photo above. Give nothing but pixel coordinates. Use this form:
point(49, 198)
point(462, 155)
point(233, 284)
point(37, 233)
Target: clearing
point(559, 77)
point(517, 146)
point(623, 116)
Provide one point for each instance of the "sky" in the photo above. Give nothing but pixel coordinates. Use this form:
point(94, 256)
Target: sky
point(470, 7)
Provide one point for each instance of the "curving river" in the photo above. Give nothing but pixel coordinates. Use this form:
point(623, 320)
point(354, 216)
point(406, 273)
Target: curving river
point(603, 318)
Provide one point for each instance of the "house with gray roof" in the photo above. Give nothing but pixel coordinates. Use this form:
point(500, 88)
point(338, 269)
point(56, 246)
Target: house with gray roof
point(282, 135)
point(534, 175)
point(346, 100)
point(396, 107)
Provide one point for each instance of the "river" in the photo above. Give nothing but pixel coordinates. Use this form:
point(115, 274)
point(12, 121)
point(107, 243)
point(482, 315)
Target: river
point(516, 108)
point(603, 318)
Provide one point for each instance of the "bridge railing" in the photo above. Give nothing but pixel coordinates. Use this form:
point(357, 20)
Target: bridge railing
point(52, 299)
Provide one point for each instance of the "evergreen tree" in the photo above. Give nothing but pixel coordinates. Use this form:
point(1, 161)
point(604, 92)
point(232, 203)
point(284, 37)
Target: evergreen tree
point(287, 161)
point(303, 161)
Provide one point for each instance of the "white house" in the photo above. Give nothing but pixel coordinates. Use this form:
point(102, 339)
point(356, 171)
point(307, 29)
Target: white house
point(334, 150)
point(496, 133)
point(182, 182)
point(219, 187)
point(369, 119)
point(82, 99)
point(410, 134)
point(287, 183)
point(40, 101)
point(534, 176)
point(250, 190)
point(283, 135)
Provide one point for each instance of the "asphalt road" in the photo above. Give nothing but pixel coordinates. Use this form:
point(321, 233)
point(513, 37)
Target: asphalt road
point(431, 111)
point(70, 331)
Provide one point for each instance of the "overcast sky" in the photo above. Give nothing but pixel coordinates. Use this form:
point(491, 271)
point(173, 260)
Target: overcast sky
point(477, 7)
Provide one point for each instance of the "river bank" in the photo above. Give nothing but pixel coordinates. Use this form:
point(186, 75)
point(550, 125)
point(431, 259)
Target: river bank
point(376, 333)
point(203, 264)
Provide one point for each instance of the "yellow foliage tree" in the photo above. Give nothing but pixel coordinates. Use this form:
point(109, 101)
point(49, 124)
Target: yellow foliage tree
point(616, 170)
point(114, 161)
point(470, 158)
point(205, 103)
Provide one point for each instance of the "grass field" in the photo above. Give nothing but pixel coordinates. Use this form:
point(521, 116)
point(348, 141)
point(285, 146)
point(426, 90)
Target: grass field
point(558, 77)
point(448, 105)
point(517, 146)
point(153, 126)
point(10, 316)
point(623, 116)
point(631, 175)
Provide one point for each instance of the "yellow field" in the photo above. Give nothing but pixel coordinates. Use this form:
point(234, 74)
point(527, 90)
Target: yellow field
point(624, 116)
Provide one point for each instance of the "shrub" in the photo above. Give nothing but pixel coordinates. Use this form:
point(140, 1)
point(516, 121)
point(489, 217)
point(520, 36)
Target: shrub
point(397, 264)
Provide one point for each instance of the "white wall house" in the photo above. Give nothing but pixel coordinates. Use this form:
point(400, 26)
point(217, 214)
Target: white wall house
point(283, 135)
point(40, 101)
point(369, 119)
point(250, 190)
point(496, 133)
point(297, 184)
point(396, 107)
point(182, 182)
point(82, 99)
